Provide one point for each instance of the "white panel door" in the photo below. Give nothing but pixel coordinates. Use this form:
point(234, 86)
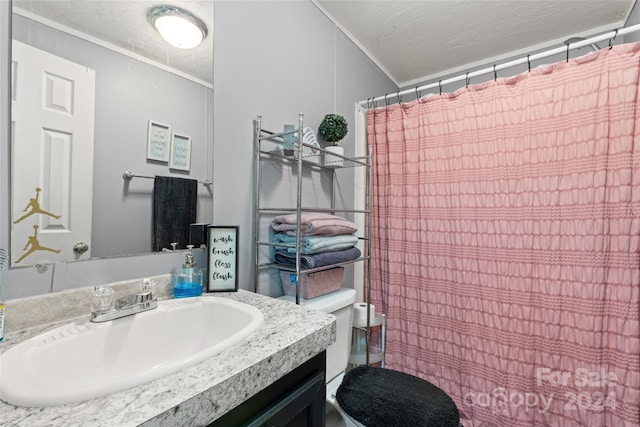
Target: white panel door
point(52, 113)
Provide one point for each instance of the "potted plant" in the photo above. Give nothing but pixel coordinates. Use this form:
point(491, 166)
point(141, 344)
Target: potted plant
point(333, 129)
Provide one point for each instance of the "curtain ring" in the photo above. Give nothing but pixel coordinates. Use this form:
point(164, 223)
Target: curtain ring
point(467, 79)
point(611, 41)
point(399, 97)
point(528, 63)
point(495, 73)
point(417, 93)
point(386, 100)
point(440, 86)
point(567, 52)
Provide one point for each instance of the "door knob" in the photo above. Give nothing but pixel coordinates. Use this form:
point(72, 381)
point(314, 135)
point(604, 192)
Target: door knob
point(80, 248)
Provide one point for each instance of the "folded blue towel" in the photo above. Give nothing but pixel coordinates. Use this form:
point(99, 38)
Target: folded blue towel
point(316, 244)
point(317, 260)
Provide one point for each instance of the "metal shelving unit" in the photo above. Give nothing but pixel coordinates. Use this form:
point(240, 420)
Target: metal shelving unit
point(300, 158)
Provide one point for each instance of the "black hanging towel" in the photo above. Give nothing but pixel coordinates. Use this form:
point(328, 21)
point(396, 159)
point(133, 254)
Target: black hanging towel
point(174, 209)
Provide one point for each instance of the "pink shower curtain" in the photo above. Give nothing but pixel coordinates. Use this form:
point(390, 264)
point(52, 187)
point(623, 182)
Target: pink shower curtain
point(506, 225)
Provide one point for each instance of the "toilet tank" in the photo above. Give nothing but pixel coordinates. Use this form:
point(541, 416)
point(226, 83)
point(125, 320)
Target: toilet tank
point(340, 304)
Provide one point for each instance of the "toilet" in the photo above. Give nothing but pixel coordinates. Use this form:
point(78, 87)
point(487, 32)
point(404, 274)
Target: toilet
point(431, 406)
point(340, 304)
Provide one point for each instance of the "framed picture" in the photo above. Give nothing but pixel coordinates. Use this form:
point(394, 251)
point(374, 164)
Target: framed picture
point(158, 141)
point(180, 152)
point(222, 258)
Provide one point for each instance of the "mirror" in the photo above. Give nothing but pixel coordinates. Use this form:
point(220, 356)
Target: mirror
point(131, 95)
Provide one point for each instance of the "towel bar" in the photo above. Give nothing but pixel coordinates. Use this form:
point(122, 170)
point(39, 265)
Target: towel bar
point(128, 176)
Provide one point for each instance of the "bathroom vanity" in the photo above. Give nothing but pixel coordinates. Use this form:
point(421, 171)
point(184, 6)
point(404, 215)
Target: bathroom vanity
point(277, 370)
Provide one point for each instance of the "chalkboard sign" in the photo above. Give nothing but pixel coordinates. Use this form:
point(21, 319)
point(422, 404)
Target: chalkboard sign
point(222, 258)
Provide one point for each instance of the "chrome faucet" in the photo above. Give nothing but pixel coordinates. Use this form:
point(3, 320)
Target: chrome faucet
point(105, 306)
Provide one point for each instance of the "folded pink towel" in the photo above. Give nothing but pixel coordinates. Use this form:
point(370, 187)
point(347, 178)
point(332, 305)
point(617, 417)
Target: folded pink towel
point(314, 224)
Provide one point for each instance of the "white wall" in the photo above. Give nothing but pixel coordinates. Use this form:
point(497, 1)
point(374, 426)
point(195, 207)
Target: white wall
point(276, 59)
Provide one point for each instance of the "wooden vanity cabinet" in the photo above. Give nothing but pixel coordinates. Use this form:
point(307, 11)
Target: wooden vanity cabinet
point(296, 400)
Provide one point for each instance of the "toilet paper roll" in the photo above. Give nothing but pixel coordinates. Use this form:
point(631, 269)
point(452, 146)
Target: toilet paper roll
point(360, 313)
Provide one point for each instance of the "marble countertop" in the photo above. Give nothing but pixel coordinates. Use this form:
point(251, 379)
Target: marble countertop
point(197, 395)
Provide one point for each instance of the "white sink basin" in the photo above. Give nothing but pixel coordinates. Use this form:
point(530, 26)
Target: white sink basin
point(84, 360)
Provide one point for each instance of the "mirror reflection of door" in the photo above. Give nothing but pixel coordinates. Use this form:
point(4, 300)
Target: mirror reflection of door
point(52, 110)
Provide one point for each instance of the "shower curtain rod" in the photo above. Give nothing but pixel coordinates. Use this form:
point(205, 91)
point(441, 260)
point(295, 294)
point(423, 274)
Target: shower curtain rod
point(611, 36)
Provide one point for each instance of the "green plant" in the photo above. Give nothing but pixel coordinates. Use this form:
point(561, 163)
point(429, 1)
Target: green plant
point(333, 128)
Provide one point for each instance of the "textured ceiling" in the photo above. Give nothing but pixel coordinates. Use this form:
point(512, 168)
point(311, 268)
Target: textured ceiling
point(411, 41)
point(415, 41)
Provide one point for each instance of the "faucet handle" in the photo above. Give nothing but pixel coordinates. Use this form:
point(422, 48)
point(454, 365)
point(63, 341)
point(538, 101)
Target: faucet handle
point(149, 285)
point(143, 297)
point(103, 300)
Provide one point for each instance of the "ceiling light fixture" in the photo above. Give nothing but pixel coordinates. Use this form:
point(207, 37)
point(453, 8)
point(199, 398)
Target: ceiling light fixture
point(177, 26)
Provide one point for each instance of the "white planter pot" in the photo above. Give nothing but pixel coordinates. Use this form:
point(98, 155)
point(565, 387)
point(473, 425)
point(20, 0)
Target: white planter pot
point(333, 161)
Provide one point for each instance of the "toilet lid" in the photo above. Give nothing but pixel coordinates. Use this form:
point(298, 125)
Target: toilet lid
point(400, 399)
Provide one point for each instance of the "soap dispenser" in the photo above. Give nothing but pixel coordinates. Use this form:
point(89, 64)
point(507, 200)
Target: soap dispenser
point(188, 281)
